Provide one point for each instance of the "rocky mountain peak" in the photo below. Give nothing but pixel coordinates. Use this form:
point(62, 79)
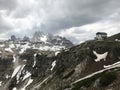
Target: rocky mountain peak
point(39, 36)
point(51, 39)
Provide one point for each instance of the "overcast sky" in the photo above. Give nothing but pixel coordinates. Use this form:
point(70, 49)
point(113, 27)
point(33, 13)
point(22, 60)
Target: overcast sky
point(77, 20)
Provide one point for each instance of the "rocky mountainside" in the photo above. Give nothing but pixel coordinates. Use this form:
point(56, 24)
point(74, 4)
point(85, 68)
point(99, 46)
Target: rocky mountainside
point(92, 65)
point(114, 37)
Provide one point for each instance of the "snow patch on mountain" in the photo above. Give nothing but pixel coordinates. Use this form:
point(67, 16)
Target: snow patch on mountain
point(53, 65)
point(100, 56)
point(0, 83)
point(34, 63)
point(7, 76)
point(28, 74)
point(24, 47)
point(57, 52)
point(16, 70)
point(14, 88)
point(44, 38)
point(108, 66)
point(14, 58)
point(9, 50)
point(12, 46)
point(2, 45)
point(28, 83)
point(19, 73)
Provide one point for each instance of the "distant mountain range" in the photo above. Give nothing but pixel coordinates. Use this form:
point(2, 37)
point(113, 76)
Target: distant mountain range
point(39, 41)
point(50, 39)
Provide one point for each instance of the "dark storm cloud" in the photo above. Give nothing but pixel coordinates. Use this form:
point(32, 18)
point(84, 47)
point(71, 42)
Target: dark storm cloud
point(56, 25)
point(78, 13)
point(55, 16)
point(7, 4)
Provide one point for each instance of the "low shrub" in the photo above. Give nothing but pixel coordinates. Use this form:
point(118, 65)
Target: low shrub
point(107, 78)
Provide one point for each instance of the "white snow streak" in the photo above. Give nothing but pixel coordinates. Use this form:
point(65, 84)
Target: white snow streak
point(53, 65)
point(14, 88)
point(2, 45)
point(0, 83)
point(16, 70)
point(9, 50)
point(34, 60)
point(14, 58)
point(12, 46)
point(108, 66)
point(19, 73)
point(22, 50)
point(112, 66)
point(57, 52)
point(7, 76)
point(44, 39)
point(28, 74)
point(28, 83)
point(24, 47)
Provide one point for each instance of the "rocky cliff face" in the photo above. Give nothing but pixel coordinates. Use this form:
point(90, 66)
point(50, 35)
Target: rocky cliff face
point(93, 65)
point(88, 66)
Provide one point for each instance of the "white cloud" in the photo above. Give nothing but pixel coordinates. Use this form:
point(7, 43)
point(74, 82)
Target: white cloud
point(110, 25)
point(77, 20)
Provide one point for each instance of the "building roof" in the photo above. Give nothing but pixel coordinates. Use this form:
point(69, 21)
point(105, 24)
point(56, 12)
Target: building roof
point(101, 33)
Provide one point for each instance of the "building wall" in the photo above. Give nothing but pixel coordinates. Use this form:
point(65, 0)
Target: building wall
point(101, 37)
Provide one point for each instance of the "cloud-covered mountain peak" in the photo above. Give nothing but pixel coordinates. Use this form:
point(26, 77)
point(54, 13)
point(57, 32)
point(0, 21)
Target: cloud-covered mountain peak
point(39, 36)
point(50, 39)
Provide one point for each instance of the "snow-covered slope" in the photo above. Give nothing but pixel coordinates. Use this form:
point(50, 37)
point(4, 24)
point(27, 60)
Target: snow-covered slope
point(39, 41)
point(23, 46)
